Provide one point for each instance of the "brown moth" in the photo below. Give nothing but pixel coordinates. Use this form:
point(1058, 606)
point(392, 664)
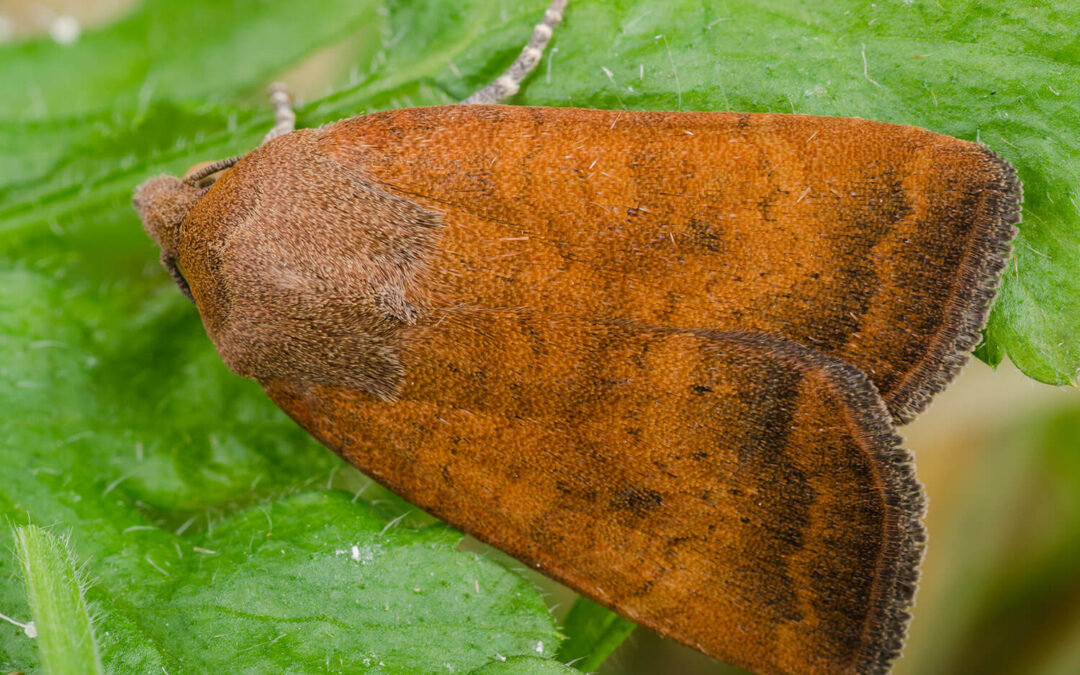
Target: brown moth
point(657, 356)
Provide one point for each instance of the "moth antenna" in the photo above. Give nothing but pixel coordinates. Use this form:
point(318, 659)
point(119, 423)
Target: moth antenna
point(284, 117)
point(507, 84)
point(212, 168)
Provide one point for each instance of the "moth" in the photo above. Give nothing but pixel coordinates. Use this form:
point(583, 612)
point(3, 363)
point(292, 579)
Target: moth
point(657, 356)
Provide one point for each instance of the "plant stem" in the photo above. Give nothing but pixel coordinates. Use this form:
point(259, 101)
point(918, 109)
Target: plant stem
point(65, 634)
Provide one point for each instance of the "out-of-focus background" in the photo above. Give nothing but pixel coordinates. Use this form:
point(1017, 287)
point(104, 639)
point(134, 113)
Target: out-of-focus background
point(63, 20)
point(999, 455)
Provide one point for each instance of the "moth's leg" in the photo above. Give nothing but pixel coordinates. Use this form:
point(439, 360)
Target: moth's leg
point(507, 84)
point(284, 117)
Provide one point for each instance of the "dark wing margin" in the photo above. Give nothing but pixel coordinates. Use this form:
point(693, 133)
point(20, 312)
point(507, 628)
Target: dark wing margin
point(906, 542)
point(996, 216)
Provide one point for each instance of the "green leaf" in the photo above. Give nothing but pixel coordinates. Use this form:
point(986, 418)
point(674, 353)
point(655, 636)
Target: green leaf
point(54, 589)
point(321, 579)
point(593, 634)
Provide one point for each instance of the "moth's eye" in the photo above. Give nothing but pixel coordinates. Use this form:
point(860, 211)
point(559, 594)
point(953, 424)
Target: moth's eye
point(205, 181)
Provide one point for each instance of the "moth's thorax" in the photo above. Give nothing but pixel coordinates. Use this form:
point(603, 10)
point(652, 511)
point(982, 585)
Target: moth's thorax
point(302, 268)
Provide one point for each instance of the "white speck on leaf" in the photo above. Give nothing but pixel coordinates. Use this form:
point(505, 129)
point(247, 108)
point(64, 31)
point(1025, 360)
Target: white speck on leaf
point(361, 554)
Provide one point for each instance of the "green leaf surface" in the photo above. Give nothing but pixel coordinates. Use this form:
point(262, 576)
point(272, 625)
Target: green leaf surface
point(121, 424)
point(316, 579)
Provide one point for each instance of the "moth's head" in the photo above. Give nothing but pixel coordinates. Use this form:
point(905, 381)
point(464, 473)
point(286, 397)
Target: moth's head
point(164, 201)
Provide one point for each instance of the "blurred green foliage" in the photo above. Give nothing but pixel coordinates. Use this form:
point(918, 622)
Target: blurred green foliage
point(122, 426)
point(1001, 586)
